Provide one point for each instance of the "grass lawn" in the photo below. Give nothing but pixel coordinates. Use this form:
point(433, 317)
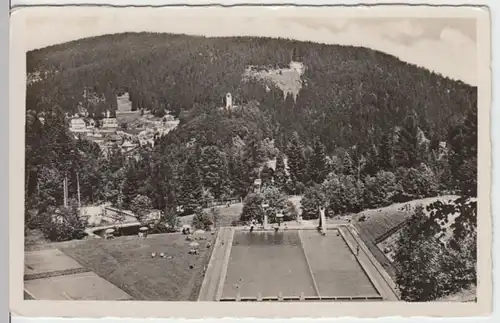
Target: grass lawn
point(227, 215)
point(127, 263)
point(380, 221)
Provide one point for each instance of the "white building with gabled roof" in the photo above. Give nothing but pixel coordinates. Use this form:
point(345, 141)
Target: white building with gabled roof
point(77, 124)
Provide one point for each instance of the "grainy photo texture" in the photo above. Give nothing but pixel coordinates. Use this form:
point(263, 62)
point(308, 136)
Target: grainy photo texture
point(315, 160)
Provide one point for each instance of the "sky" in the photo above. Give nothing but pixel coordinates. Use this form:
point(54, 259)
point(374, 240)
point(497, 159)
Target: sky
point(444, 45)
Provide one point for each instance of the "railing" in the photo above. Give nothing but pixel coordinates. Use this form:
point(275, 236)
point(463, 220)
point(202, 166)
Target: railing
point(390, 232)
point(120, 214)
point(235, 200)
point(298, 298)
point(222, 202)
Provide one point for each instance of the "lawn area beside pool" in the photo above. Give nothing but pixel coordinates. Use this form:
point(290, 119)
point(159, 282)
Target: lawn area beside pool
point(226, 215)
point(127, 263)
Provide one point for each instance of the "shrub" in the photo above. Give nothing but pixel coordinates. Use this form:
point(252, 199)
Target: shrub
point(63, 224)
point(379, 190)
point(313, 198)
point(167, 223)
point(344, 193)
point(201, 220)
point(415, 183)
point(140, 206)
point(252, 205)
point(276, 200)
point(252, 208)
point(290, 213)
point(299, 188)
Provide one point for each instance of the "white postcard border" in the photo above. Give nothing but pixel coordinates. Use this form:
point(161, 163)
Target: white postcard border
point(256, 310)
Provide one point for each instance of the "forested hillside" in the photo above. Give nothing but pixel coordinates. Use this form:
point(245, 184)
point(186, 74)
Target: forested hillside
point(349, 93)
point(358, 112)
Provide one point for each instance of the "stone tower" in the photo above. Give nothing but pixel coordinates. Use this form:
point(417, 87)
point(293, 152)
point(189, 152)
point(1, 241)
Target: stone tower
point(229, 101)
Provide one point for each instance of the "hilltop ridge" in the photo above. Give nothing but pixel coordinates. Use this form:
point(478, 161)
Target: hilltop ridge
point(344, 92)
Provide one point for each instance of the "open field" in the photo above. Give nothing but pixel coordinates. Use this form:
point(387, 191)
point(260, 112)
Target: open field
point(334, 266)
point(127, 263)
point(379, 221)
point(229, 214)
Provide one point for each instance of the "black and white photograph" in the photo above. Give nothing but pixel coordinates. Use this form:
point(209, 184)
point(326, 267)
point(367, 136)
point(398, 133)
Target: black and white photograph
point(193, 155)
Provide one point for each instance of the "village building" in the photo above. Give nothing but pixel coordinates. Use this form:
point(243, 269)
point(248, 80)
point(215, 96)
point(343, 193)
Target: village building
point(123, 103)
point(128, 146)
point(124, 113)
point(77, 124)
point(109, 123)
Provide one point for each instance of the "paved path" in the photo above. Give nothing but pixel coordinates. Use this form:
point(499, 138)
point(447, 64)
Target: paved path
point(376, 273)
point(52, 275)
point(211, 289)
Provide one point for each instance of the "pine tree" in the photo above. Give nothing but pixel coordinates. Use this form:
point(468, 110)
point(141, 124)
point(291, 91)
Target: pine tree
point(280, 174)
point(253, 153)
point(371, 162)
point(295, 158)
point(469, 169)
point(191, 188)
point(161, 181)
point(111, 99)
point(348, 165)
point(130, 186)
point(386, 152)
point(214, 170)
point(240, 176)
point(266, 175)
point(463, 155)
point(407, 150)
point(470, 125)
point(317, 163)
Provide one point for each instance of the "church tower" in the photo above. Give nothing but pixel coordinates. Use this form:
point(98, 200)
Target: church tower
point(229, 101)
